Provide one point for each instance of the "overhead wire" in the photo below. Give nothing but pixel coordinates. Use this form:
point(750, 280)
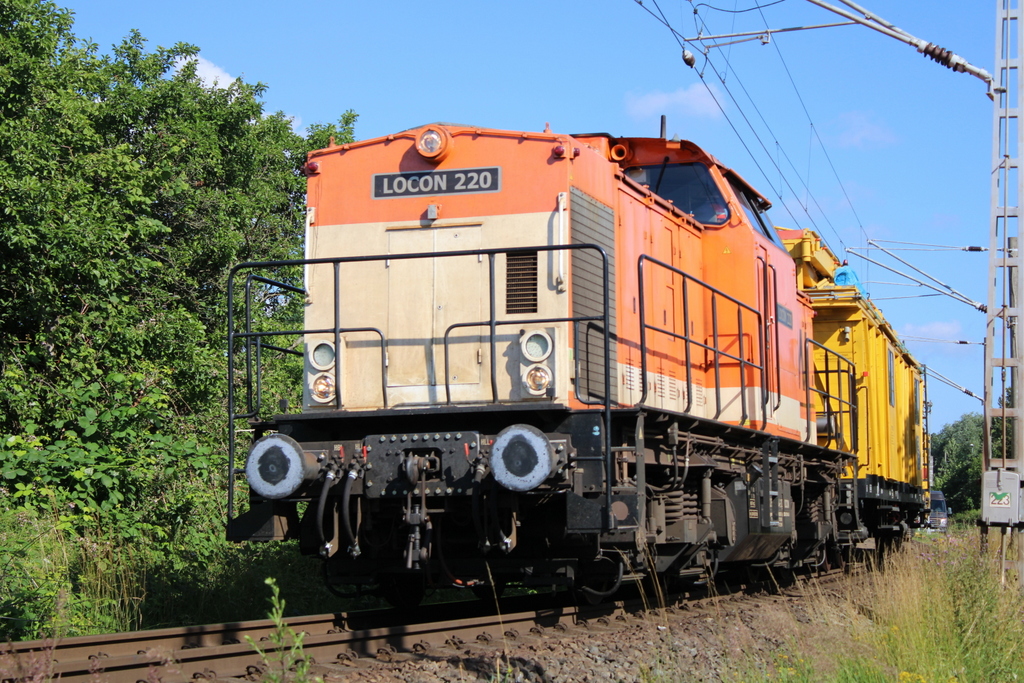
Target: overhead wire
point(907, 337)
point(757, 136)
point(934, 247)
point(743, 142)
point(803, 182)
point(892, 298)
point(783, 152)
point(739, 11)
point(910, 246)
point(814, 131)
point(660, 16)
point(701, 27)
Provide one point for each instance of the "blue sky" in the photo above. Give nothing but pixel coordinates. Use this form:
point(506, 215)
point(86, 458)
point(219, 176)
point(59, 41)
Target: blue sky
point(910, 141)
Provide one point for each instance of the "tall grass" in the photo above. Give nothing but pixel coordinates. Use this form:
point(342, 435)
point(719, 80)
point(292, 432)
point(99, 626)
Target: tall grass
point(940, 613)
point(54, 583)
point(936, 612)
point(57, 581)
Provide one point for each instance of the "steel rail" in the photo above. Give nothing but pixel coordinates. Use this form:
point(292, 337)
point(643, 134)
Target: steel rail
point(221, 651)
point(224, 650)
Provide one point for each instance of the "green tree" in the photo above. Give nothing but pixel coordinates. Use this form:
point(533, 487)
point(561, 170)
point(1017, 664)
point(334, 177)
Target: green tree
point(956, 452)
point(128, 188)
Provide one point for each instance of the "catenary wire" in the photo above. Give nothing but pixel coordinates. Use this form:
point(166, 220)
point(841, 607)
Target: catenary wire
point(678, 37)
point(757, 109)
point(709, 62)
point(739, 11)
point(814, 130)
point(732, 97)
point(785, 155)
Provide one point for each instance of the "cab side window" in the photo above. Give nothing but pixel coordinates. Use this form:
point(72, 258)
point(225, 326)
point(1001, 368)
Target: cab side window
point(758, 219)
point(689, 186)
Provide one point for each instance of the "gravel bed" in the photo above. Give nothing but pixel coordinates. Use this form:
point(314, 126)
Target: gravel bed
point(725, 640)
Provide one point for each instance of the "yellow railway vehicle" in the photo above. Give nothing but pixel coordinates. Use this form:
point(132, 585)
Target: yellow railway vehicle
point(881, 417)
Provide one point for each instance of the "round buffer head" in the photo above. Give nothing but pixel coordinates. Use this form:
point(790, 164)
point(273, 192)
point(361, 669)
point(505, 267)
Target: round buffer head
point(277, 466)
point(522, 458)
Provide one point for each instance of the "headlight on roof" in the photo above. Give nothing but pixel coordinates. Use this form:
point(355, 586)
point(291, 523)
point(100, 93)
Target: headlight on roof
point(321, 387)
point(537, 379)
point(434, 143)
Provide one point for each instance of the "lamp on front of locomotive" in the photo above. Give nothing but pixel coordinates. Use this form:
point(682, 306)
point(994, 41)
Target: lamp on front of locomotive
point(434, 143)
point(536, 347)
point(321, 387)
point(522, 458)
point(277, 466)
point(322, 358)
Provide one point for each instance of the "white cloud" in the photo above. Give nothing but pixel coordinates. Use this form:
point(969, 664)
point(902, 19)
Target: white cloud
point(209, 73)
point(941, 351)
point(690, 101)
point(938, 329)
point(860, 129)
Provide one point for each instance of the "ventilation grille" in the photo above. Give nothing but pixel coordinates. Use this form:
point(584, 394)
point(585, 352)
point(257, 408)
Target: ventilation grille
point(521, 282)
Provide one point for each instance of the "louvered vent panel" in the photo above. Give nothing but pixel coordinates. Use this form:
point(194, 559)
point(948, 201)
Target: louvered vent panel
point(521, 282)
point(592, 222)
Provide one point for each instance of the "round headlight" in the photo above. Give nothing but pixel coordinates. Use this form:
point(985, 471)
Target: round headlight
point(537, 379)
point(322, 387)
point(536, 346)
point(430, 142)
point(434, 144)
point(322, 357)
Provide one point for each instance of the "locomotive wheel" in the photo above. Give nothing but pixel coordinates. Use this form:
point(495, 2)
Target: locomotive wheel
point(401, 590)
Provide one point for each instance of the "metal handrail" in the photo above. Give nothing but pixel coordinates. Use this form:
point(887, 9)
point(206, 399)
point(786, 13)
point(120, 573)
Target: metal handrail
point(771, 304)
point(250, 339)
point(839, 402)
point(717, 352)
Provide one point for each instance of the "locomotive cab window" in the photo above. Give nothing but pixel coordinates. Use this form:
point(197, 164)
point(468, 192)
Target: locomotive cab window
point(758, 219)
point(689, 186)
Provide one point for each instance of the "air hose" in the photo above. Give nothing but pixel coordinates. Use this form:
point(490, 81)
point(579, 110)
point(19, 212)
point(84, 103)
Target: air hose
point(346, 516)
point(611, 591)
point(329, 481)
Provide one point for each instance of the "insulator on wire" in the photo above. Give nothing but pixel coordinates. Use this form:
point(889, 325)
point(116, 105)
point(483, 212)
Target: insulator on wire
point(942, 56)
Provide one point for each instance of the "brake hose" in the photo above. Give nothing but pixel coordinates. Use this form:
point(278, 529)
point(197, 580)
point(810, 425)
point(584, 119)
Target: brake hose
point(611, 591)
point(329, 481)
point(346, 517)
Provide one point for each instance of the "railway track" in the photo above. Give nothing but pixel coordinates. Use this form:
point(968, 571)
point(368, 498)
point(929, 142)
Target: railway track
point(333, 642)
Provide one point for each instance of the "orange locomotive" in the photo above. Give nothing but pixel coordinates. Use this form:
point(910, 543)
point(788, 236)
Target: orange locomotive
point(537, 358)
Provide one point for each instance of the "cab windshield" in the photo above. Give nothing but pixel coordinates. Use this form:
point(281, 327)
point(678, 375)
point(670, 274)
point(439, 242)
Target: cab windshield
point(689, 186)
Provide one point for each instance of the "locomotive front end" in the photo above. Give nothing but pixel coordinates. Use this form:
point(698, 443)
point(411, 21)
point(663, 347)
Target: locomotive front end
point(441, 424)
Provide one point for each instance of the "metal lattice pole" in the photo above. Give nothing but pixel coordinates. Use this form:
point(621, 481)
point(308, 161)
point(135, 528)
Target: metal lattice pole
point(1002, 355)
point(1003, 453)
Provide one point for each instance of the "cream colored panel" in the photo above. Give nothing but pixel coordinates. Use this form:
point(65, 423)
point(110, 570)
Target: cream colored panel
point(410, 309)
point(788, 415)
point(401, 297)
point(460, 295)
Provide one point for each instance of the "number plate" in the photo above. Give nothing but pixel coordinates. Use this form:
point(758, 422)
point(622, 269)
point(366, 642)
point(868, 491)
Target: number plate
point(423, 183)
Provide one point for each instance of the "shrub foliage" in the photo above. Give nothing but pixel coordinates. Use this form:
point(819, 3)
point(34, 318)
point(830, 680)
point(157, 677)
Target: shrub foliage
point(128, 188)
